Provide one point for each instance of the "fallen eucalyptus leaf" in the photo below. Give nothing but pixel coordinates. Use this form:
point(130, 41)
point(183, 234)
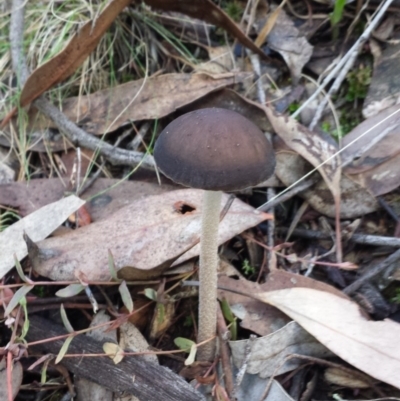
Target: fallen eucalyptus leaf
point(144, 237)
point(37, 225)
point(337, 323)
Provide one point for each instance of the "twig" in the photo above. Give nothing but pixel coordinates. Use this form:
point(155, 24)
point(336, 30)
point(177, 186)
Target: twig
point(376, 270)
point(224, 352)
point(361, 40)
point(362, 239)
point(300, 187)
point(72, 131)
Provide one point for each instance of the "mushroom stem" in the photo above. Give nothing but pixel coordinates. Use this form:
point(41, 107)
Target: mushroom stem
point(208, 273)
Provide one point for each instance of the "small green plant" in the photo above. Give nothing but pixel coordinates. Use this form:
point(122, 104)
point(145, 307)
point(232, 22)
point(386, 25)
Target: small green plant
point(7, 218)
point(188, 322)
point(293, 107)
point(247, 269)
point(234, 9)
point(358, 81)
point(336, 16)
point(396, 297)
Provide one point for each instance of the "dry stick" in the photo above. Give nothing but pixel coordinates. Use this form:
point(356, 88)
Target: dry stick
point(363, 239)
point(72, 131)
point(302, 186)
point(271, 193)
point(370, 274)
point(350, 59)
point(133, 375)
point(225, 352)
point(343, 61)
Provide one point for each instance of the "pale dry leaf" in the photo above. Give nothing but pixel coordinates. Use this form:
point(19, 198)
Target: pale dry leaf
point(37, 226)
point(318, 150)
point(147, 234)
point(337, 323)
point(355, 199)
point(253, 387)
point(372, 142)
point(131, 339)
point(269, 352)
point(381, 179)
point(384, 89)
point(342, 378)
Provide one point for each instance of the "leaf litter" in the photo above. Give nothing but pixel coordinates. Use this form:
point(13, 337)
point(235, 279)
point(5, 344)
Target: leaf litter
point(150, 229)
point(157, 231)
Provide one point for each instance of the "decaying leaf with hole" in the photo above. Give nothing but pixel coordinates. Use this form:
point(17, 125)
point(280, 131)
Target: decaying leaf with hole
point(105, 196)
point(145, 237)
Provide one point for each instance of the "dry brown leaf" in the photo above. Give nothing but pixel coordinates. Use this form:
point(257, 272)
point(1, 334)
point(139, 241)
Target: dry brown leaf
point(270, 352)
point(208, 11)
point(319, 151)
point(147, 234)
point(384, 89)
point(372, 142)
point(269, 24)
point(345, 378)
point(65, 63)
point(156, 97)
point(105, 196)
point(356, 201)
point(336, 322)
point(382, 179)
point(286, 39)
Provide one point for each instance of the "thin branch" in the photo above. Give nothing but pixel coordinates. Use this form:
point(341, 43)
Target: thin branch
point(77, 135)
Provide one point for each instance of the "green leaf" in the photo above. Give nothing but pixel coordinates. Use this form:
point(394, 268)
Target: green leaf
point(70, 290)
point(337, 14)
point(233, 330)
point(192, 355)
point(184, 343)
point(25, 327)
point(126, 296)
point(20, 271)
point(227, 312)
point(64, 349)
point(65, 320)
point(151, 294)
point(18, 296)
point(160, 313)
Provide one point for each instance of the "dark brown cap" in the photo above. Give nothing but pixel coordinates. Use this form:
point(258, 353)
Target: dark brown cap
point(214, 149)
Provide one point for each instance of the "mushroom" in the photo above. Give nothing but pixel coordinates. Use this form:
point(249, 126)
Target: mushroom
point(215, 150)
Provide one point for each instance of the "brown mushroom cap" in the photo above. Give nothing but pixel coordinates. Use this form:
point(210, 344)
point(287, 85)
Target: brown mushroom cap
point(214, 149)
